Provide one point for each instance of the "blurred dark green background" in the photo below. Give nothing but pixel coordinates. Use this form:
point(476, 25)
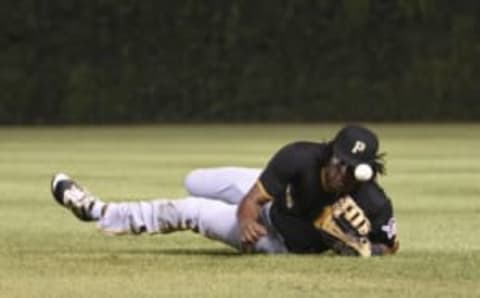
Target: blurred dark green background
point(146, 61)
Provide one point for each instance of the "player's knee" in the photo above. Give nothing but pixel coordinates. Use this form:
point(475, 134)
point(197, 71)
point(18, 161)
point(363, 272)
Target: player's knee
point(193, 181)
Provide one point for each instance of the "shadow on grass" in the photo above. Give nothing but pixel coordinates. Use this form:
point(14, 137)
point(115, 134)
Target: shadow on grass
point(182, 252)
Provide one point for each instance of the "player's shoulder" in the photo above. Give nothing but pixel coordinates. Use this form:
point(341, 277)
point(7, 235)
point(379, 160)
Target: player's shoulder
point(306, 146)
point(305, 152)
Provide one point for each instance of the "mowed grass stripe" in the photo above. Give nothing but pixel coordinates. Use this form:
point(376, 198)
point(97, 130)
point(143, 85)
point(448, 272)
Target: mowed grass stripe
point(433, 174)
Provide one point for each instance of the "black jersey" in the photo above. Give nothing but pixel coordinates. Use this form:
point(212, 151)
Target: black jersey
point(293, 179)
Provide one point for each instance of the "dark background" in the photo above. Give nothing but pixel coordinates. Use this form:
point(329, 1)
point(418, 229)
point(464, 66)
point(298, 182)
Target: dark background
point(149, 61)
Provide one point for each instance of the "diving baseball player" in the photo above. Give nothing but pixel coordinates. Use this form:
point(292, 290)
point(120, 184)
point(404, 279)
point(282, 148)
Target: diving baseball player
point(311, 197)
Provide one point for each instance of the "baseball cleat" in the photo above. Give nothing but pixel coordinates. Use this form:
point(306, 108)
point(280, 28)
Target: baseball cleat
point(72, 196)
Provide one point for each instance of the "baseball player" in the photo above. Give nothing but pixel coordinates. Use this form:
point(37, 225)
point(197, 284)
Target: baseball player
point(311, 197)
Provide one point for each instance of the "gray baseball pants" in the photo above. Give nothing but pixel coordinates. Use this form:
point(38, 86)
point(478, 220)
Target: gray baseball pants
point(210, 210)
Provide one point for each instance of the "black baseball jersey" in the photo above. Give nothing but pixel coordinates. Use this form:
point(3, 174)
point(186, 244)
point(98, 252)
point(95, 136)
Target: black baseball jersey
point(293, 179)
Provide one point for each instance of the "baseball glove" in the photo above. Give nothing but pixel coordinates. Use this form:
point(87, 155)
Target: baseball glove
point(347, 228)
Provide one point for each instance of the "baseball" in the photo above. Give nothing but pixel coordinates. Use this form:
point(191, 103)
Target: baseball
point(363, 172)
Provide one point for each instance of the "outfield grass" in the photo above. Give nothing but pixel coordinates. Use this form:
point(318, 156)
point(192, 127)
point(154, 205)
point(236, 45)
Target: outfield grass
point(433, 179)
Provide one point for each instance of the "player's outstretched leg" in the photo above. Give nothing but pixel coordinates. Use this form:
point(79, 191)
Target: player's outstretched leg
point(213, 219)
point(72, 196)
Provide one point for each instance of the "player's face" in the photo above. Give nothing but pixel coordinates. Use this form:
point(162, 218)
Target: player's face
point(339, 177)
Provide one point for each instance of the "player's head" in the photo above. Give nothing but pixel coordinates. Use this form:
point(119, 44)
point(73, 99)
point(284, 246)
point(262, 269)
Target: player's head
point(353, 146)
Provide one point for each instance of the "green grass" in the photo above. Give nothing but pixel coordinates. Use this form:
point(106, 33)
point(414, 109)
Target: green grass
point(433, 179)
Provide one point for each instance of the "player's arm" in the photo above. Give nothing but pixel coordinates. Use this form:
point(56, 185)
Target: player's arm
point(384, 240)
point(248, 211)
point(384, 232)
point(271, 184)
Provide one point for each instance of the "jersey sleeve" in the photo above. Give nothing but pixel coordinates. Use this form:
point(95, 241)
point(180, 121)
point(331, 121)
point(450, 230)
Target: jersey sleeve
point(379, 210)
point(384, 227)
point(280, 170)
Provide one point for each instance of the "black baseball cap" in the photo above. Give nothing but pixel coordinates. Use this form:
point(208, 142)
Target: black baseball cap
point(355, 144)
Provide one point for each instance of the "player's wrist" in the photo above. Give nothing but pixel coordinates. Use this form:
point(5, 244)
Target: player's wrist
point(244, 222)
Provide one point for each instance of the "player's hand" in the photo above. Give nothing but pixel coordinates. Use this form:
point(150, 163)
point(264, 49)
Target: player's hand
point(251, 231)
